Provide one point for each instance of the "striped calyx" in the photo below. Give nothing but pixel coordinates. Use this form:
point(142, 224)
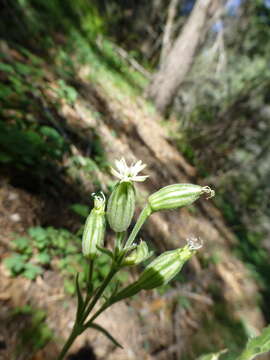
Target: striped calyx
point(94, 230)
point(165, 267)
point(138, 255)
point(121, 206)
point(177, 195)
point(161, 270)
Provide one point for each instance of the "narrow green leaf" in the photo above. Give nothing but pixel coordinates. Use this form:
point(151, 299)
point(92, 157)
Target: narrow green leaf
point(79, 297)
point(105, 251)
point(116, 288)
point(105, 332)
point(80, 209)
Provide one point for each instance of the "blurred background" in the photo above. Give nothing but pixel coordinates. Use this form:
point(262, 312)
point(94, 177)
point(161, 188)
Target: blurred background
point(182, 85)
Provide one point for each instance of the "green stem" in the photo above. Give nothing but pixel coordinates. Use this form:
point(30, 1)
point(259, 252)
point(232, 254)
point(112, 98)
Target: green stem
point(68, 343)
point(89, 278)
point(103, 308)
point(128, 291)
point(100, 291)
point(119, 240)
point(75, 332)
point(146, 212)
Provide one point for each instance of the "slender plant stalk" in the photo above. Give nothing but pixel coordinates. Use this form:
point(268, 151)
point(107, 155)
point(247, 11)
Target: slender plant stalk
point(100, 291)
point(87, 309)
point(89, 278)
point(146, 212)
point(119, 239)
point(68, 343)
point(126, 292)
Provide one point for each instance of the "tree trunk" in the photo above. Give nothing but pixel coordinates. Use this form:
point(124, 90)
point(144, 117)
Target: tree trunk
point(168, 31)
point(167, 80)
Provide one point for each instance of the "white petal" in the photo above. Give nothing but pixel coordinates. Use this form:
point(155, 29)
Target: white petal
point(128, 173)
point(124, 164)
point(116, 173)
point(139, 166)
point(139, 178)
point(119, 165)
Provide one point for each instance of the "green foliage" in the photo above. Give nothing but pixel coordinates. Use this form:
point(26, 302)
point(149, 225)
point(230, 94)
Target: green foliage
point(107, 67)
point(45, 248)
point(81, 22)
point(24, 147)
point(28, 138)
point(90, 168)
point(224, 126)
point(39, 19)
point(250, 247)
point(31, 271)
point(254, 347)
point(43, 258)
point(21, 78)
point(66, 92)
point(224, 131)
point(36, 334)
point(15, 263)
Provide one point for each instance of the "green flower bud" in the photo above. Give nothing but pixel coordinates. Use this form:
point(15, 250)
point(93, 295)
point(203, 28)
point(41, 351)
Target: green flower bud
point(166, 266)
point(121, 206)
point(161, 270)
point(177, 195)
point(138, 255)
point(94, 230)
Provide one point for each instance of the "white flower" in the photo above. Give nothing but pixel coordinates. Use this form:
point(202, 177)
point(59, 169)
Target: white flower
point(128, 173)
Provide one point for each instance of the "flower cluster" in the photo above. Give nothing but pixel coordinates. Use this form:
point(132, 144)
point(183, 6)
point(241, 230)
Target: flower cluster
point(119, 213)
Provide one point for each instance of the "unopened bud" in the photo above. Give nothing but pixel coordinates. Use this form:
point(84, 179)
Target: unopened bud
point(121, 206)
point(138, 255)
point(161, 270)
point(94, 230)
point(165, 267)
point(177, 195)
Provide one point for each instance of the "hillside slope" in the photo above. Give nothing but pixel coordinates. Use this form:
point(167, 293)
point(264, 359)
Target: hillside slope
point(217, 299)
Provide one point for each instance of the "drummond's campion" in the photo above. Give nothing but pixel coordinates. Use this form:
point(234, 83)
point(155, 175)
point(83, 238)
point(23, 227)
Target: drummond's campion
point(94, 230)
point(177, 195)
point(121, 206)
point(126, 253)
